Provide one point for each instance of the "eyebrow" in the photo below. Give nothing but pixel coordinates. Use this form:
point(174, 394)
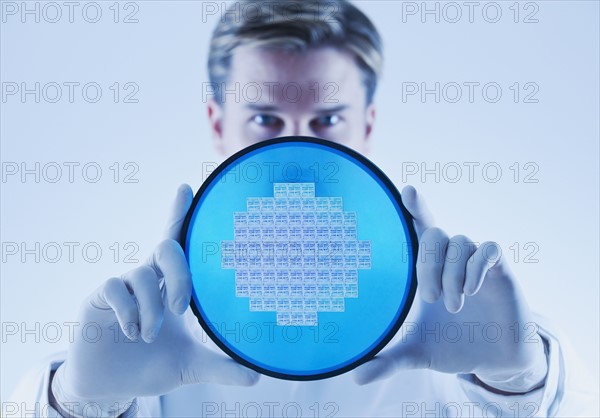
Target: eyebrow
point(335, 109)
point(272, 108)
point(261, 108)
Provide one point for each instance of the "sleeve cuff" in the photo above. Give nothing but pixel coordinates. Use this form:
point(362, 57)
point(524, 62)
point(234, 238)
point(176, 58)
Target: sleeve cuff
point(32, 396)
point(68, 407)
point(541, 401)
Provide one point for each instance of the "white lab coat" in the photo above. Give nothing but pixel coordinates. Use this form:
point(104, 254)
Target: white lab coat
point(413, 393)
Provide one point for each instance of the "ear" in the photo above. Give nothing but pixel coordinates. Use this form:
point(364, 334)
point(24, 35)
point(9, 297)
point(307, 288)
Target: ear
point(215, 119)
point(370, 121)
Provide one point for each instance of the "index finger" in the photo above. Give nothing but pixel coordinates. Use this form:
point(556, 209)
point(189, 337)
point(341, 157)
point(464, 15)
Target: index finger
point(179, 209)
point(417, 207)
point(169, 262)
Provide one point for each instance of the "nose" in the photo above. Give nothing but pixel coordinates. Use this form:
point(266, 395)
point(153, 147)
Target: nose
point(297, 128)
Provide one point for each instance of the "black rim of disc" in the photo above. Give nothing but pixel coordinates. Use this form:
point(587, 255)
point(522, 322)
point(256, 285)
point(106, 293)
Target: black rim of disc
point(409, 225)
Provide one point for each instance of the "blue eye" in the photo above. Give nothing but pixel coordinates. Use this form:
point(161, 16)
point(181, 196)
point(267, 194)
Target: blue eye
point(268, 121)
point(325, 121)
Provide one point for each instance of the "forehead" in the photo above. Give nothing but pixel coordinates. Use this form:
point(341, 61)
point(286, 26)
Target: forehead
point(328, 71)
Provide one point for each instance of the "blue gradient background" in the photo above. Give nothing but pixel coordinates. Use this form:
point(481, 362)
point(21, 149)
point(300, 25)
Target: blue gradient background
point(167, 135)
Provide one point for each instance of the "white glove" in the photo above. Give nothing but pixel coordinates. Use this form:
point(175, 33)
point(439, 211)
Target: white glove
point(146, 347)
point(490, 333)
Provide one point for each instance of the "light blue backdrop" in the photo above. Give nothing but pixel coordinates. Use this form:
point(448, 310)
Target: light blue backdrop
point(164, 137)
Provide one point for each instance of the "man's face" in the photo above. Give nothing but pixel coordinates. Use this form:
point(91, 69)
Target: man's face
point(274, 93)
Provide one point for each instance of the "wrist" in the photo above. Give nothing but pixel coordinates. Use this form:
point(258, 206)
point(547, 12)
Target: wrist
point(70, 405)
point(522, 381)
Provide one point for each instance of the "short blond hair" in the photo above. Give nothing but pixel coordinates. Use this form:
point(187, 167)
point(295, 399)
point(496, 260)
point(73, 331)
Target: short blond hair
point(298, 25)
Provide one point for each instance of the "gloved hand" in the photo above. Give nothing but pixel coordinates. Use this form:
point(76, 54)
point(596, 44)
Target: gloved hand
point(471, 316)
point(145, 347)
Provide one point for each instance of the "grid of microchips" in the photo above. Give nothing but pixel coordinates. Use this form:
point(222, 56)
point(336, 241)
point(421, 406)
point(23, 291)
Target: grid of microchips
point(296, 254)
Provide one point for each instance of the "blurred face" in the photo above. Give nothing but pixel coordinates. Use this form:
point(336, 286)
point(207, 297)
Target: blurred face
point(272, 93)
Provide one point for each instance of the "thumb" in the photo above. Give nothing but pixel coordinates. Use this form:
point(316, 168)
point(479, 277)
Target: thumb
point(378, 368)
point(181, 205)
point(401, 356)
point(415, 204)
point(208, 366)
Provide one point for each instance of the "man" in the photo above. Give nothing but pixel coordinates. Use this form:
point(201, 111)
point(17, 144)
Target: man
point(152, 349)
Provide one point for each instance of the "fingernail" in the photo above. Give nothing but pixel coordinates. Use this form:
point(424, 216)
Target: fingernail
point(454, 305)
point(132, 335)
point(131, 331)
point(151, 335)
point(181, 305)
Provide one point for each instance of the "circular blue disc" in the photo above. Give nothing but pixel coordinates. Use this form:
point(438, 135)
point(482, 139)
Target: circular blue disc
point(302, 258)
